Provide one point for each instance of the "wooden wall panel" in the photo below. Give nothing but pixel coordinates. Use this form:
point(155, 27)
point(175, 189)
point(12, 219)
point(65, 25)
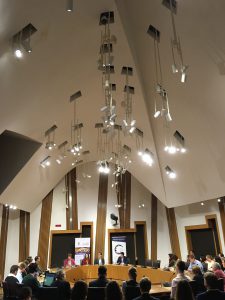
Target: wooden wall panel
point(44, 232)
point(154, 208)
point(3, 240)
point(71, 199)
point(222, 216)
point(124, 198)
point(174, 239)
point(101, 214)
point(24, 236)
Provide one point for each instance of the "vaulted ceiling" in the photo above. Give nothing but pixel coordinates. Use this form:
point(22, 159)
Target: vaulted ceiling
point(35, 90)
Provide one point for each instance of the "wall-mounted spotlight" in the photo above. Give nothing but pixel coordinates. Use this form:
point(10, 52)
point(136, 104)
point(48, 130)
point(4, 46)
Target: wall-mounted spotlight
point(45, 162)
point(170, 173)
point(69, 5)
point(21, 40)
point(50, 135)
point(147, 157)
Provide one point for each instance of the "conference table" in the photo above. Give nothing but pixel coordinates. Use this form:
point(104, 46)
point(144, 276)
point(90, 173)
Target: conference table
point(120, 273)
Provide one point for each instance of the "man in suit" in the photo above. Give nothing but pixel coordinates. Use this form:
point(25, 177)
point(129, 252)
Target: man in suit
point(12, 281)
point(145, 287)
point(100, 260)
point(122, 260)
point(30, 280)
point(102, 280)
point(212, 293)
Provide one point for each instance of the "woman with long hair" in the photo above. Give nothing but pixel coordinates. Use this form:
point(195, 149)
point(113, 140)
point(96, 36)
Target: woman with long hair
point(184, 291)
point(113, 291)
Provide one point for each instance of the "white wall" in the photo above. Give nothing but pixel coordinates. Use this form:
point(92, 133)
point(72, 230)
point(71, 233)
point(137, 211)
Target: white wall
point(194, 214)
point(12, 247)
point(35, 218)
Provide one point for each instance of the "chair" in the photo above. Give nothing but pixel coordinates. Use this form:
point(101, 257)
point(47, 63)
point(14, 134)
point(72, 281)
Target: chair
point(220, 284)
point(132, 292)
point(196, 287)
point(148, 263)
point(156, 264)
point(96, 293)
point(48, 293)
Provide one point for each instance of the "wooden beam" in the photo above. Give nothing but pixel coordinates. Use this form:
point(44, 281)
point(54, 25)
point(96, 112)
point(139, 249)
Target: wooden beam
point(101, 214)
point(24, 236)
point(71, 199)
point(3, 239)
point(222, 216)
point(44, 232)
point(174, 239)
point(154, 206)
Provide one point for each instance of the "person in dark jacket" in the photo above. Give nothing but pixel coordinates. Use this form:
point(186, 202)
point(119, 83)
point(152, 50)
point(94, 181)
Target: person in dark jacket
point(132, 273)
point(63, 286)
point(79, 291)
point(145, 287)
point(184, 291)
point(100, 260)
point(212, 292)
point(30, 279)
point(199, 279)
point(122, 259)
point(12, 281)
point(113, 291)
point(102, 280)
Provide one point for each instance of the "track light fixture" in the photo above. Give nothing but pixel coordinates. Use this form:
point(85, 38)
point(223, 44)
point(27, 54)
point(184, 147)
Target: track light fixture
point(170, 173)
point(50, 135)
point(147, 157)
point(10, 206)
point(21, 41)
point(62, 152)
point(69, 5)
point(103, 167)
point(45, 162)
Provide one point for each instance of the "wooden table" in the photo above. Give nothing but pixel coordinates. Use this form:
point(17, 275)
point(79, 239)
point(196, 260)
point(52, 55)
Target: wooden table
point(118, 273)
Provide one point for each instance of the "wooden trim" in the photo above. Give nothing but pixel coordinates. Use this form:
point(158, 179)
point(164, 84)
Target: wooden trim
point(202, 226)
point(44, 232)
point(174, 239)
point(65, 231)
point(92, 241)
point(71, 200)
point(154, 218)
point(3, 240)
point(222, 216)
point(24, 235)
point(101, 214)
point(145, 235)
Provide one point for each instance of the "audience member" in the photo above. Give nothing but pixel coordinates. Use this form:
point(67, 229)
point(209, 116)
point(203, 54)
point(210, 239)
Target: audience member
point(180, 268)
point(132, 273)
point(212, 292)
point(219, 261)
point(184, 291)
point(209, 261)
point(69, 262)
point(221, 255)
point(30, 279)
point(26, 293)
point(79, 291)
point(12, 281)
point(223, 261)
point(62, 285)
point(85, 261)
point(102, 280)
point(145, 287)
point(172, 260)
point(122, 259)
point(37, 260)
point(21, 272)
point(204, 263)
point(113, 291)
point(100, 260)
point(194, 262)
point(198, 276)
point(218, 272)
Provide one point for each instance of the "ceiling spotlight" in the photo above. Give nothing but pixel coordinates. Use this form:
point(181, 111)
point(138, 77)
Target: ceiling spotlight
point(46, 162)
point(183, 150)
point(50, 145)
point(147, 157)
point(104, 167)
point(170, 173)
point(6, 205)
point(157, 114)
point(69, 6)
point(58, 161)
point(174, 69)
point(219, 200)
point(202, 203)
point(183, 73)
point(18, 53)
point(50, 135)
point(11, 206)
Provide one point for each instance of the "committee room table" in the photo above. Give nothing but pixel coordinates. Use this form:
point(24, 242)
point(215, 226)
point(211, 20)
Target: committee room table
point(118, 273)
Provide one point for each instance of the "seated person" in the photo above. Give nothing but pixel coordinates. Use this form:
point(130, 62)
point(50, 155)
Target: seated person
point(100, 260)
point(12, 281)
point(30, 279)
point(26, 293)
point(113, 291)
point(219, 261)
point(180, 268)
point(145, 287)
point(223, 262)
point(199, 278)
point(209, 261)
point(218, 272)
point(194, 262)
point(122, 260)
point(62, 285)
point(212, 292)
point(37, 260)
point(21, 272)
point(69, 262)
point(85, 260)
point(102, 280)
point(79, 291)
point(132, 273)
point(184, 291)
point(172, 260)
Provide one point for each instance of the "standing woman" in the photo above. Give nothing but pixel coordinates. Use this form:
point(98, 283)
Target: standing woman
point(184, 291)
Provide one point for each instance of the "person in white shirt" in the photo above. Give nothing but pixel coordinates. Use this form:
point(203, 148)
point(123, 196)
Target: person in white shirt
point(180, 268)
point(21, 272)
point(209, 262)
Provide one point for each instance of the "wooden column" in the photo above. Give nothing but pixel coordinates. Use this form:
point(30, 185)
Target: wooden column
point(124, 199)
point(154, 228)
point(24, 238)
point(174, 239)
point(71, 199)
point(3, 240)
point(44, 232)
point(222, 215)
point(101, 214)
